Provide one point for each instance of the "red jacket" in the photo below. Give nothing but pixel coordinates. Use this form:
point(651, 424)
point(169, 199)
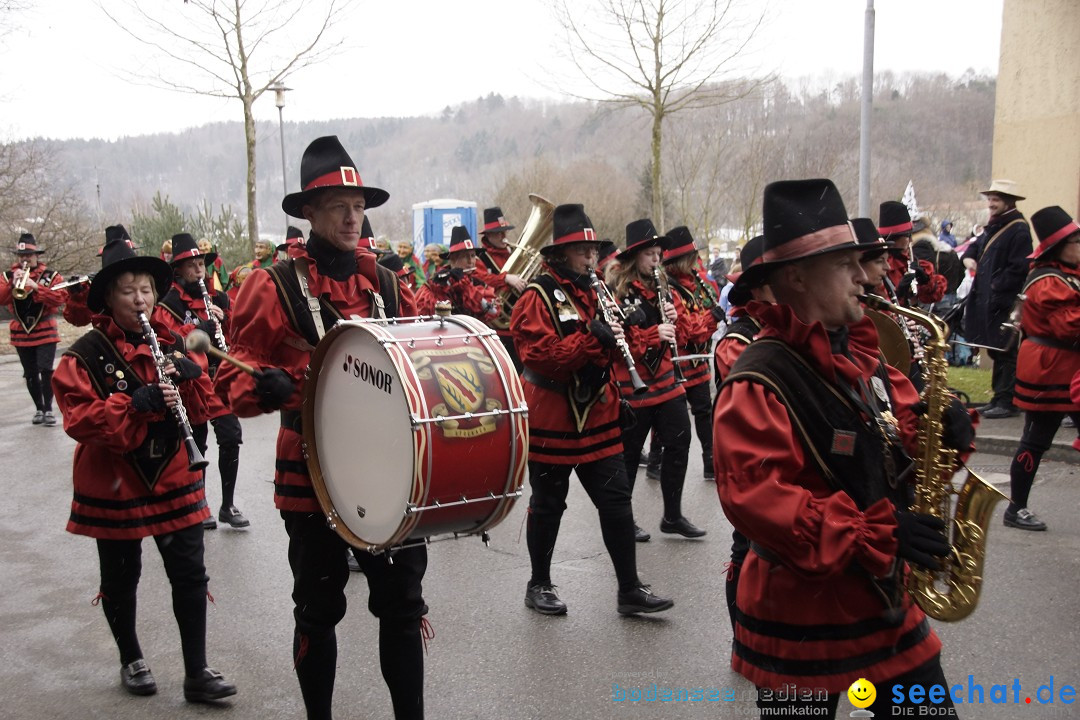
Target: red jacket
point(495, 280)
point(773, 493)
point(554, 436)
point(930, 292)
point(264, 338)
point(698, 328)
point(469, 296)
point(111, 501)
point(642, 340)
point(731, 345)
point(1051, 313)
point(42, 328)
point(75, 310)
point(195, 310)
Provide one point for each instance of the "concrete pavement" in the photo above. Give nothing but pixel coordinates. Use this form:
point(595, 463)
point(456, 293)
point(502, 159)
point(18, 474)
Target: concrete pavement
point(490, 657)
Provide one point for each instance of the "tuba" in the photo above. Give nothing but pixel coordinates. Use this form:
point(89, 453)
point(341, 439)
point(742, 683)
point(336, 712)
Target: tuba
point(949, 594)
point(526, 260)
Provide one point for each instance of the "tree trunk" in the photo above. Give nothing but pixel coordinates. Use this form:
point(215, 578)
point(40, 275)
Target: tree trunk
point(249, 139)
point(657, 187)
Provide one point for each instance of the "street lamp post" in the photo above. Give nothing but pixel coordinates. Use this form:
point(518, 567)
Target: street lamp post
point(279, 100)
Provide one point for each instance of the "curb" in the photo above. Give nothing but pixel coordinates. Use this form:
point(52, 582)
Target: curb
point(997, 445)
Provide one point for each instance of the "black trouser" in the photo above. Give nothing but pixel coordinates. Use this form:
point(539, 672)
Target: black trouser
point(229, 439)
point(1003, 376)
point(699, 398)
point(605, 482)
point(121, 567)
point(395, 596)
point(1039, 431)
point(670, 421)
point(928, 674)
point(740, 546)
point(37, 363)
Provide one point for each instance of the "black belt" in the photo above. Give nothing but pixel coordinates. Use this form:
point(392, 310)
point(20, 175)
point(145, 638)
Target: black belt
point(1051, 342)
point(540, 381)
point(291, 419)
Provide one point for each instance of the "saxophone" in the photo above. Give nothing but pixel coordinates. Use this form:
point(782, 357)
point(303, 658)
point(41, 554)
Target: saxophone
point(949, 594)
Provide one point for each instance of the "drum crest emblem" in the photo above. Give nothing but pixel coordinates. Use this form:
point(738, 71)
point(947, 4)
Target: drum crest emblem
point(462, 376)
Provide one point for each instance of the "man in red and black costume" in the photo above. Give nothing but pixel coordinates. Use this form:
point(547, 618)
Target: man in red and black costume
point(569, 350)
point(33, 323)
point(458, 283)
point(184, 309)
point(491, 258)
point(813, 468)
point(702, 313)
point(276, 330)
point(894, 224)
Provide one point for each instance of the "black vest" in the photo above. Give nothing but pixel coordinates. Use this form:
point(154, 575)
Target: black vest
point(29, 311)
point(110, 373)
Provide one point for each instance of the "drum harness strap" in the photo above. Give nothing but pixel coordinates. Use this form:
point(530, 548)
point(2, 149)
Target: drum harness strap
point(300, 265)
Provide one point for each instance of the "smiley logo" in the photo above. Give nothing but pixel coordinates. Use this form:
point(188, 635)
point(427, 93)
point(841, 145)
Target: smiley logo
point(862, 693)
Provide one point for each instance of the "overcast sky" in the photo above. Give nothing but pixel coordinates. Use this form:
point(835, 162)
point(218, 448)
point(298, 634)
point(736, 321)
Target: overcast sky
point(62, 71)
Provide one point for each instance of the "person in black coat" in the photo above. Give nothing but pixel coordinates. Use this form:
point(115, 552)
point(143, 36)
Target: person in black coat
point(999, 257)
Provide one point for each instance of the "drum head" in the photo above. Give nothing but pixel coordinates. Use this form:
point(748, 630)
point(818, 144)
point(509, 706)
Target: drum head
point(363, 435)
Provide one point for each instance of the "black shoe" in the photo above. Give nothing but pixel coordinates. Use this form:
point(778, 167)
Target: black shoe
point(1001, 411)
point(39, 417)
point(137, 678)
point(642, 600)
point(207, 687)
point(1024, 519)
point(681, 526)
point(233, 517)
point(640, 535)
point(984, 408)
point(652, 472)
point(1067, 422)
point(710, 474)
point(209, 523)
point(544, 600)
point(50, 419)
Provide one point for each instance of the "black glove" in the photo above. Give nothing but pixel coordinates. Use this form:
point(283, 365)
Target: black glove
point(921, 275)
point(274, 387)
point(718, 313)
point(903, 288)
point(457, 273)
point(635, 316)
point(186, 369)
point(602, 332)
point(208, 326)
point(921, 539)
point(148, 399)
point(957, 431)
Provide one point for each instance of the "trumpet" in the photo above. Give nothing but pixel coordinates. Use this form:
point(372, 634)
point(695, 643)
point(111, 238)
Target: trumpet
point(605, 301)
point(663, 295)
point(219, 336)
point(196, 461)
point(19, 291)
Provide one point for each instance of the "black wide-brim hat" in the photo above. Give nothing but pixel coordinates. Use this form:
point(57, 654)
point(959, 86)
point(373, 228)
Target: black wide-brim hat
point(569, 225)
point(326, 165)
point(185, 247)
point(118, 257)
point(607, 253)
point(894, 220)
point(494, 221)
point(1052, 225)
point(460, 241)
point(801, 219)
point(641, 235)
point(870, 240)
point(681, 243)
point(742, 284)
point(27, 245)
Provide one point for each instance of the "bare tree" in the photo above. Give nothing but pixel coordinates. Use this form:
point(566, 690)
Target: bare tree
point(232, 49)
point(663, 56)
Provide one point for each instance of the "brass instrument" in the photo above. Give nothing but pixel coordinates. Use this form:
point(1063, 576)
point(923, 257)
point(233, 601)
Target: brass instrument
point(219, 336)
point(526, 260)
point(80, 280)
point(893, 341)
point(196, 461)
point(608, 305)
point(18, 290)
point(949, 594)
point(663, 295)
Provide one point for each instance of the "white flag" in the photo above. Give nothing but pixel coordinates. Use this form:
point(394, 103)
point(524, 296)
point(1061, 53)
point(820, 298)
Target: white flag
point(909, 201)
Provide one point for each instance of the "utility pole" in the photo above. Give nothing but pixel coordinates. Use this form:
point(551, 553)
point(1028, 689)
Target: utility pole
point(867, 107)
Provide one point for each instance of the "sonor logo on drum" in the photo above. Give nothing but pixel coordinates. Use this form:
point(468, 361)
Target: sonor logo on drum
point(358, 369)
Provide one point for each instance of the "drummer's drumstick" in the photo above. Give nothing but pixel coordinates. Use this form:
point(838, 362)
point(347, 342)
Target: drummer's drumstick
point(199, 341)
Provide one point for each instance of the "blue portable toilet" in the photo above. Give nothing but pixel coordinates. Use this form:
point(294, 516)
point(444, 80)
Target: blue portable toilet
point(434, 220)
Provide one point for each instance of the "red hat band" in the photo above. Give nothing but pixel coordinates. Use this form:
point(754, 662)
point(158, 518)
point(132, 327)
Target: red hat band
point(345, 177)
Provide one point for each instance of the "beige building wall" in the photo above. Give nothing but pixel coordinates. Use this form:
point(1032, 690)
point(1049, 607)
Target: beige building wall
point(1037, 113)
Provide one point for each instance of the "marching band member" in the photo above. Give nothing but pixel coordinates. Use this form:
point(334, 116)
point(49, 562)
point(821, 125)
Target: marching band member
point(812, 467)
point(702, 313)
point(1049, 353)
point(276, 330)
point(183, 309)
point(458, 282)
point(896, 227)
point(653, 342)
point(132, 479)
point(568, 349)
point(491, 258)
point(33, 323)
point(215, 269)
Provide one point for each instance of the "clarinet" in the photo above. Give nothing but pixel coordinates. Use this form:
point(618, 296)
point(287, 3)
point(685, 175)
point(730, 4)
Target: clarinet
point(603, 296)
point(663, 295)
point(196, 461)
point(219, 336)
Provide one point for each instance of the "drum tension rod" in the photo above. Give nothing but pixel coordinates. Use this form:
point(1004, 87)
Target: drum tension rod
point(411, 508)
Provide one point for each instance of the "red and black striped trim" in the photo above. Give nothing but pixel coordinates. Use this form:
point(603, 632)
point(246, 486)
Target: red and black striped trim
point(128, 523)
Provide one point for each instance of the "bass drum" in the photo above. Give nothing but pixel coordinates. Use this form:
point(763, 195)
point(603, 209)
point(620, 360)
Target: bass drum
point(413, 427)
